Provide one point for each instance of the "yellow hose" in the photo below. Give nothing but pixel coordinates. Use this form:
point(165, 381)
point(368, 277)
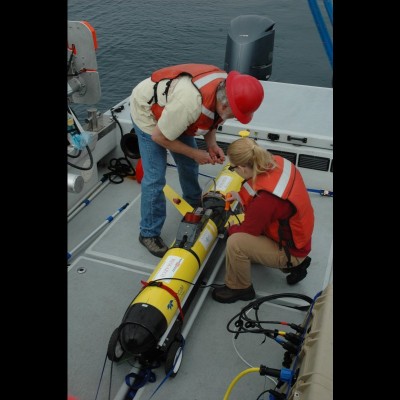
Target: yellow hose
point(233, 383)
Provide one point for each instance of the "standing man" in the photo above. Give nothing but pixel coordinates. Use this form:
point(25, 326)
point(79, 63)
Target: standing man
point(168, 110)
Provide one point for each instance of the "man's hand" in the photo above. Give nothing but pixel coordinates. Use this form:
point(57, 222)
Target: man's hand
point(202, 157)
point(217, 154)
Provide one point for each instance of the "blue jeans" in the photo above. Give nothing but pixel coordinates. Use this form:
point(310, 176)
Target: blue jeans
point(154, 163)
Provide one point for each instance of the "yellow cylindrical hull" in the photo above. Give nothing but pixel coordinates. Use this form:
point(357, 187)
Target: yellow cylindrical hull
point(153, 309)
point(177, 266)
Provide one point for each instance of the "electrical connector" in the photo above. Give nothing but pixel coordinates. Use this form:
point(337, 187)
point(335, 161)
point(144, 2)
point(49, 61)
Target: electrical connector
point(297, 328)
point(287, 360)
point(290, 347)
point(269, 371)
point(284, 374)
point(293, 338)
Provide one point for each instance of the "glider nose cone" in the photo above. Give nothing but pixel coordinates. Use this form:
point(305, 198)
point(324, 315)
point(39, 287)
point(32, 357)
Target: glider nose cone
point(142, 328)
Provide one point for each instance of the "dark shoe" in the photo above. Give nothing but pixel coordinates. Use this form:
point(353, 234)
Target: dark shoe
point(305, 263)
point(298, 273)
point(225, 295)
point(154, 245)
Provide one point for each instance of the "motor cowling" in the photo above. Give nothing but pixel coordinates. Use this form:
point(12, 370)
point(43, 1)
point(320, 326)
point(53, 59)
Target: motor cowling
point(250, 45)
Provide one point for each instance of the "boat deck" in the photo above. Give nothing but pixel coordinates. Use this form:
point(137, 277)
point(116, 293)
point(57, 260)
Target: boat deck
point(104, 275)
point(115, 263)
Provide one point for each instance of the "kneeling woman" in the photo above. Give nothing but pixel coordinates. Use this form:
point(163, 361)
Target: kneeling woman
point(278, 220)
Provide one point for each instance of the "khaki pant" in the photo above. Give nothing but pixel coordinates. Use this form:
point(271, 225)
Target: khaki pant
point(243, 249)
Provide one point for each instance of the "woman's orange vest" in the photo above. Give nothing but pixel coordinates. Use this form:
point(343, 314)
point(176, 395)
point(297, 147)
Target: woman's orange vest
point(286, 182)
point(206, 79)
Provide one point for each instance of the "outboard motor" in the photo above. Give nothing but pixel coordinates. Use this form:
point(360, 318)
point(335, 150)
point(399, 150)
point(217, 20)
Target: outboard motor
point(250, 46)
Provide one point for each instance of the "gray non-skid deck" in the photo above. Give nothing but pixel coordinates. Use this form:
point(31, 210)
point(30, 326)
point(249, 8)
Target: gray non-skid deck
point(105, 273)
point(105, 277)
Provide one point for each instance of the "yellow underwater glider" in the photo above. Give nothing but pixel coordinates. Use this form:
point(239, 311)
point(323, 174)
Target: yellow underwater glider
point(151, 327)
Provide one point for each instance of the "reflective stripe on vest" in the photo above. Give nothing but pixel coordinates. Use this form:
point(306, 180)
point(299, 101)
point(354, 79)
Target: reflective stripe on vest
point(249, 189)
point(199, 84)
point(208, 78)
point(284, 179)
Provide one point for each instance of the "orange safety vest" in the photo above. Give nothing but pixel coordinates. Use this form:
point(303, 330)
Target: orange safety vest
point(286, 182)
point(206, 79)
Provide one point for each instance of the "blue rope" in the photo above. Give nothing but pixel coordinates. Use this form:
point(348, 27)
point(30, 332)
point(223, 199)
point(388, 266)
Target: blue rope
point(171, 370)
point(322, 192)
point(139, 380)
point(101, 377)
point(323, 32)
point(329, 9)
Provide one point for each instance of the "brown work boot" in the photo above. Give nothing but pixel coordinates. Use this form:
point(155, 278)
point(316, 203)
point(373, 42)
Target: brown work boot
point(226, 295)
point(154, 245)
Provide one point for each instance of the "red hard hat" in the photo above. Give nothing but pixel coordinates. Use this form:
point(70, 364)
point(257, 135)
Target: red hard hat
point(245, 94)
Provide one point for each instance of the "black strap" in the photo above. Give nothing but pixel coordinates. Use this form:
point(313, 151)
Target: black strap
point(167, 85)
point(216, 118)
point(288, 255)
point(289, 243)
point(155, 98)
